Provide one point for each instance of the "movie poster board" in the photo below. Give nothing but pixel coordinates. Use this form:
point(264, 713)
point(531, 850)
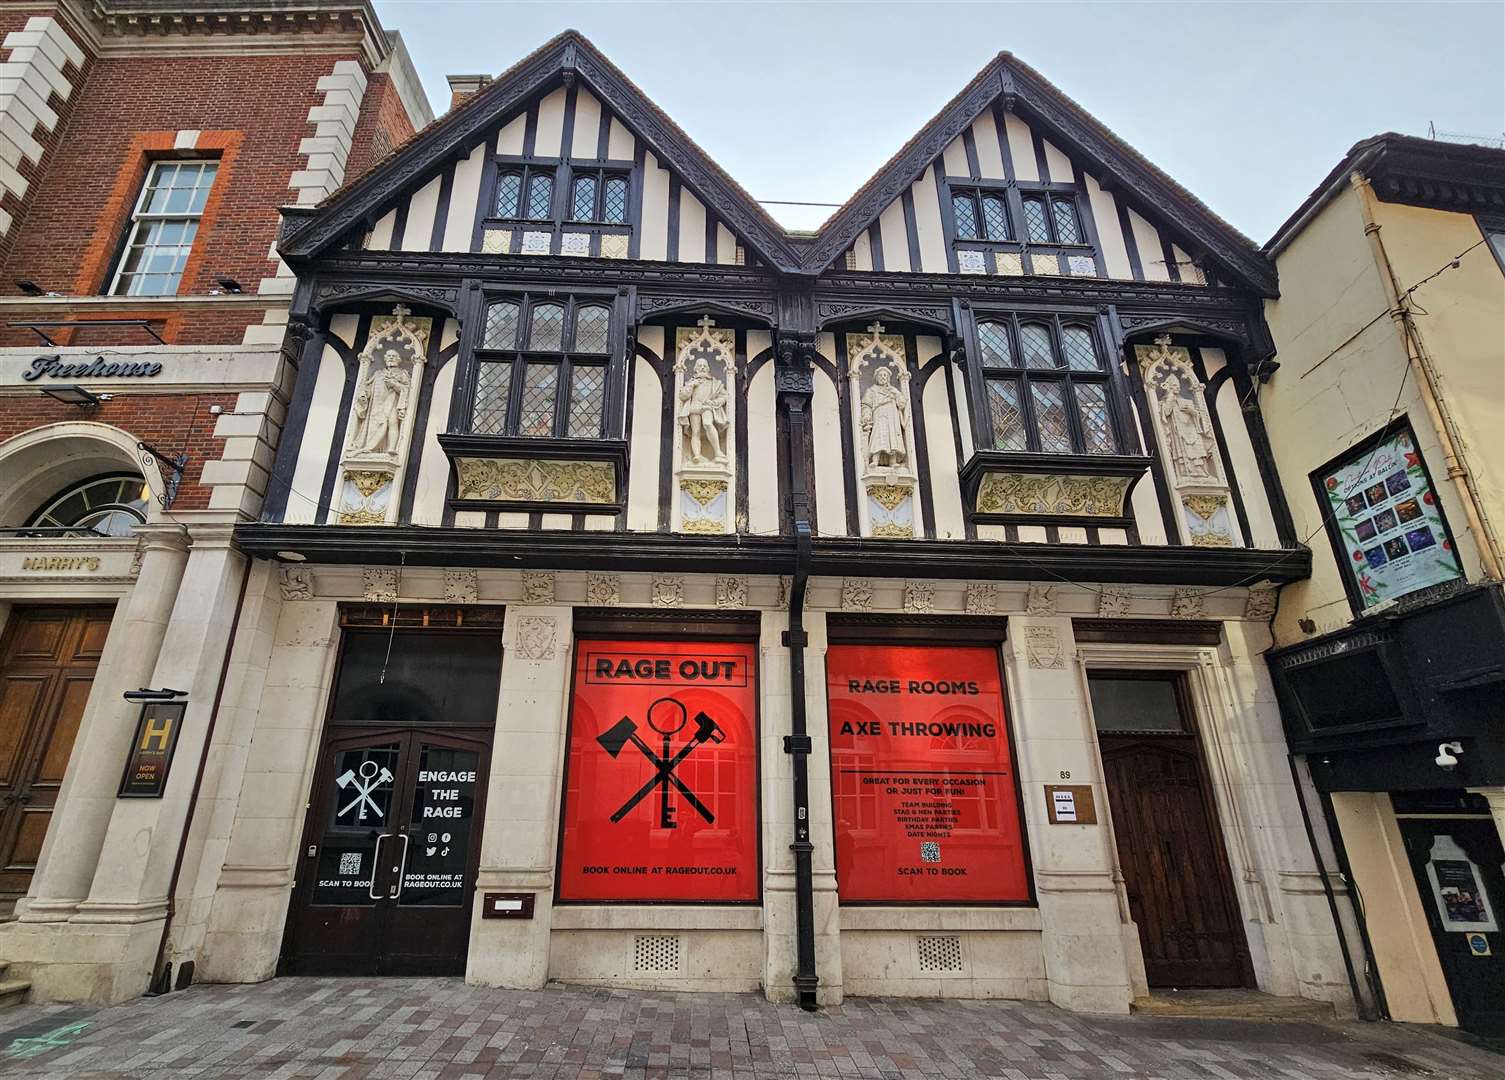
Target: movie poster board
point(925, 798)
point(661, 774)
point(1385, 520)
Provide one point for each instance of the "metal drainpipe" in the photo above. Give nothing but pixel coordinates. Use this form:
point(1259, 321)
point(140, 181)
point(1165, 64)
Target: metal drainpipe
point(1427, 382)
point(798, 743)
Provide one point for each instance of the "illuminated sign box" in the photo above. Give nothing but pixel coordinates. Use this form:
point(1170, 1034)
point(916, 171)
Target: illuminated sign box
point(925, 798)
point(661, 776)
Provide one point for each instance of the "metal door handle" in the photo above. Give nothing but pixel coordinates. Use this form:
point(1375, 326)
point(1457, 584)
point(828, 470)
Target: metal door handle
point(401, 868)
point(376, 865)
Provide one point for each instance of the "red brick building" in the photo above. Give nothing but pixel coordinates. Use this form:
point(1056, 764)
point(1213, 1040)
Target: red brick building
point(145, 149)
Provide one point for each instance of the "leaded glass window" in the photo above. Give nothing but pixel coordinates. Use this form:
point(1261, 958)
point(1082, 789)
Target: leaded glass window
point(540, 197)
point(979, 215)
point(1067, 229)
point(995, 217)
point(1045, 386)
point(614, 201)
point(583, 201)
point(964, 207)
point(544, 368)
point(1050, 217)
point(509, 188)
point(1036, 226)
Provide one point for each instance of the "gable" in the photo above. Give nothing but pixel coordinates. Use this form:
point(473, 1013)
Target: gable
point(1010, 126)
point(556, 104)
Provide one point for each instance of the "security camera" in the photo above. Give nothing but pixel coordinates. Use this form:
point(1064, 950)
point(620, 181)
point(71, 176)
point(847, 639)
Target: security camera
point(1447, 755)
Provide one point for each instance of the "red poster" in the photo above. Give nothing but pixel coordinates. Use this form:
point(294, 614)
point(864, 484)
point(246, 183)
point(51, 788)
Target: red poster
point(661, 797)
point(923, 784)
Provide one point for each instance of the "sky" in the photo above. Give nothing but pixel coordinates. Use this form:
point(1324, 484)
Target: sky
point(1248, 105)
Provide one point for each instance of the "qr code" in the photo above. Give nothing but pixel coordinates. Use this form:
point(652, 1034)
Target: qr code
point(350, 863)
point(930, 851)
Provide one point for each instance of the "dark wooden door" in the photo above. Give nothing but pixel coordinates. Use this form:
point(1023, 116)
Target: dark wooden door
point(389, 854)
point(1460, 871)
point(1175, 871)
point(48, 657)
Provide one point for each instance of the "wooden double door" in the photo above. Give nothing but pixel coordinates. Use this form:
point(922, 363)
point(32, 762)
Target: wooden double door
point(48, 658)
point(1169, 841)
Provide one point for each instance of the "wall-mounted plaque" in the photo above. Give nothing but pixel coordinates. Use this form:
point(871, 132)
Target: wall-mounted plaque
point(152, 749)
point(1070, 804)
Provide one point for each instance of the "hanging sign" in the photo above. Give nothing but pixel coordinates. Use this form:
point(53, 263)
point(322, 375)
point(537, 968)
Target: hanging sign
point(924, 791)
point(661, 798)
point(1384, 511)
point(152, 749)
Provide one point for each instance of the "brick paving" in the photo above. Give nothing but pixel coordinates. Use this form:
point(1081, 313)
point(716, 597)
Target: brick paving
point(441, 1029)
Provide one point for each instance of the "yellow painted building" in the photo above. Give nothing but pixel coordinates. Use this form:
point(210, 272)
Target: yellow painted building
point(1387, 422)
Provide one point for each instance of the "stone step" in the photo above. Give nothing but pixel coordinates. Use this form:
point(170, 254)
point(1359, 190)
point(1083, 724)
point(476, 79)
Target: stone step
point(1233, 1004)
point(13, 992)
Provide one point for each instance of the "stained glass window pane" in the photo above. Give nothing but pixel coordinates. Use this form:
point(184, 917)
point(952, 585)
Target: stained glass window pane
point(1080, 353)
point(508, 188)
point(995, 217)
point(591, 325)
point(965, 212)
point(1050, 417)
point(587, 399)
point(614, 201)
point(1004, 411)
point(501, 326)
point(993, 341)
point(547, 331)
point(583, 203)
point(1067, 230)
point(537, 414)
point(540, 197)
point(1034, 342)
point(1035, 226)
point(1092, 407)
point(488, 416)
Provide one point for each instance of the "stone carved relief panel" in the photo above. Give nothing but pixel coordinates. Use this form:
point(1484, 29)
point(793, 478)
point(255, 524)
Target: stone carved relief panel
point(296, 582)
point(536, 637)
point(982, 598)
point(1188, 443)
point(603, 590)
point(530, 480)
point(461, 587)
point(380, 427)
point(1068, 496)
point(705, 374)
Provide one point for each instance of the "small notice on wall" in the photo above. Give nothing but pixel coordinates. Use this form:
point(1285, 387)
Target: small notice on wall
point(151, 752)
point(1070, 804)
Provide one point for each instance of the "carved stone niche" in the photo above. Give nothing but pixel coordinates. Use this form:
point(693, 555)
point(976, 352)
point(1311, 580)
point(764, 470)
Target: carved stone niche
point(379, 431)
point(1188, 444)
point(705, 418)
point(882, 432)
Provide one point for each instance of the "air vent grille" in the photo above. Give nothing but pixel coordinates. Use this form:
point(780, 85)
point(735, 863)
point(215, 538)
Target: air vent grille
point(940, 953)
point(655, 952)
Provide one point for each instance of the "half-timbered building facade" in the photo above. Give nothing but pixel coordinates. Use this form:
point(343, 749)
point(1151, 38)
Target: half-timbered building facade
point(646, 595)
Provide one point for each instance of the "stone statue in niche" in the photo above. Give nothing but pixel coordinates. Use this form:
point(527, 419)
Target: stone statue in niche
point(702, 415)
point(1188, 434)
point(380, 407)
point(883, 423)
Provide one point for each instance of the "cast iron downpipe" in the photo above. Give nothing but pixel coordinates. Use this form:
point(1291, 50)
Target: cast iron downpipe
point(796, 387)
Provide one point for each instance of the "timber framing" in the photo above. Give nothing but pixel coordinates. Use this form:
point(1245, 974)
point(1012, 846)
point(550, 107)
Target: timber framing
point(986, 559)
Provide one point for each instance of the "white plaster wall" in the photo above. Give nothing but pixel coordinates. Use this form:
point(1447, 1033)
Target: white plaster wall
point(323, 414)
point(1021, 148)
point(762, 447)
point(830, 489)
point(927, 208)
point(895, 237)
point(509, 140)
point(691, 228)
point(945, 487)
point(647, 433)
point(546, 139)
point(989, 153)
point(1151, 254)
point(653, 238)
point(587, 125)
point(1109, 234)
point(433, 469)
point(419, 229)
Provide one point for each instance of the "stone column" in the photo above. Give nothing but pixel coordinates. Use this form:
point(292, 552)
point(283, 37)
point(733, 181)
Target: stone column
point(520, 836)
point(87, 796)
point(249, 909)
point(115, 931)
point(1082, 927)
point(779, 926)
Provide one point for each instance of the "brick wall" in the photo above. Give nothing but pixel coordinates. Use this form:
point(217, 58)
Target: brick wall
point(383, 126)
point(170, 422)
point(252, 107)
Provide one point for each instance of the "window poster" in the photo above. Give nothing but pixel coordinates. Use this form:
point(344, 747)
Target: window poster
point(924, 791)
point(661, 778)
point(1458, 889)
point(1386, 515)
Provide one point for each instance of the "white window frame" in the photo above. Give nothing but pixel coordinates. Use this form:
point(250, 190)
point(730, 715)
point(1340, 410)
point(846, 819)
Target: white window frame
point(141, 218)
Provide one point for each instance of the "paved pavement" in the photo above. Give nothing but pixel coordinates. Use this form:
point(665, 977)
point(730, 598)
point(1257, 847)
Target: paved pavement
point(441, 1029)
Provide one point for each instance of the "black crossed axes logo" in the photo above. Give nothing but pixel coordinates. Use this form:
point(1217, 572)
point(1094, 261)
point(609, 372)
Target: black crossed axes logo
point(625, 731)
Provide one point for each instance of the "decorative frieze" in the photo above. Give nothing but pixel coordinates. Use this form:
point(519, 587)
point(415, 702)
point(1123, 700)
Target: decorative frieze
point(379, 584)
point(535, 480)
point(1041, 600)
point(295, 582)
point(603, 590)
point(856, 594)
point(919, 597)
point(668, 592)
point(539, 587)
point(1261, 602)
point(731, 592)
point(461, 587)
point(1113, 602)
point(1061, 495)
point(1187, 604)
point(982, 598)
